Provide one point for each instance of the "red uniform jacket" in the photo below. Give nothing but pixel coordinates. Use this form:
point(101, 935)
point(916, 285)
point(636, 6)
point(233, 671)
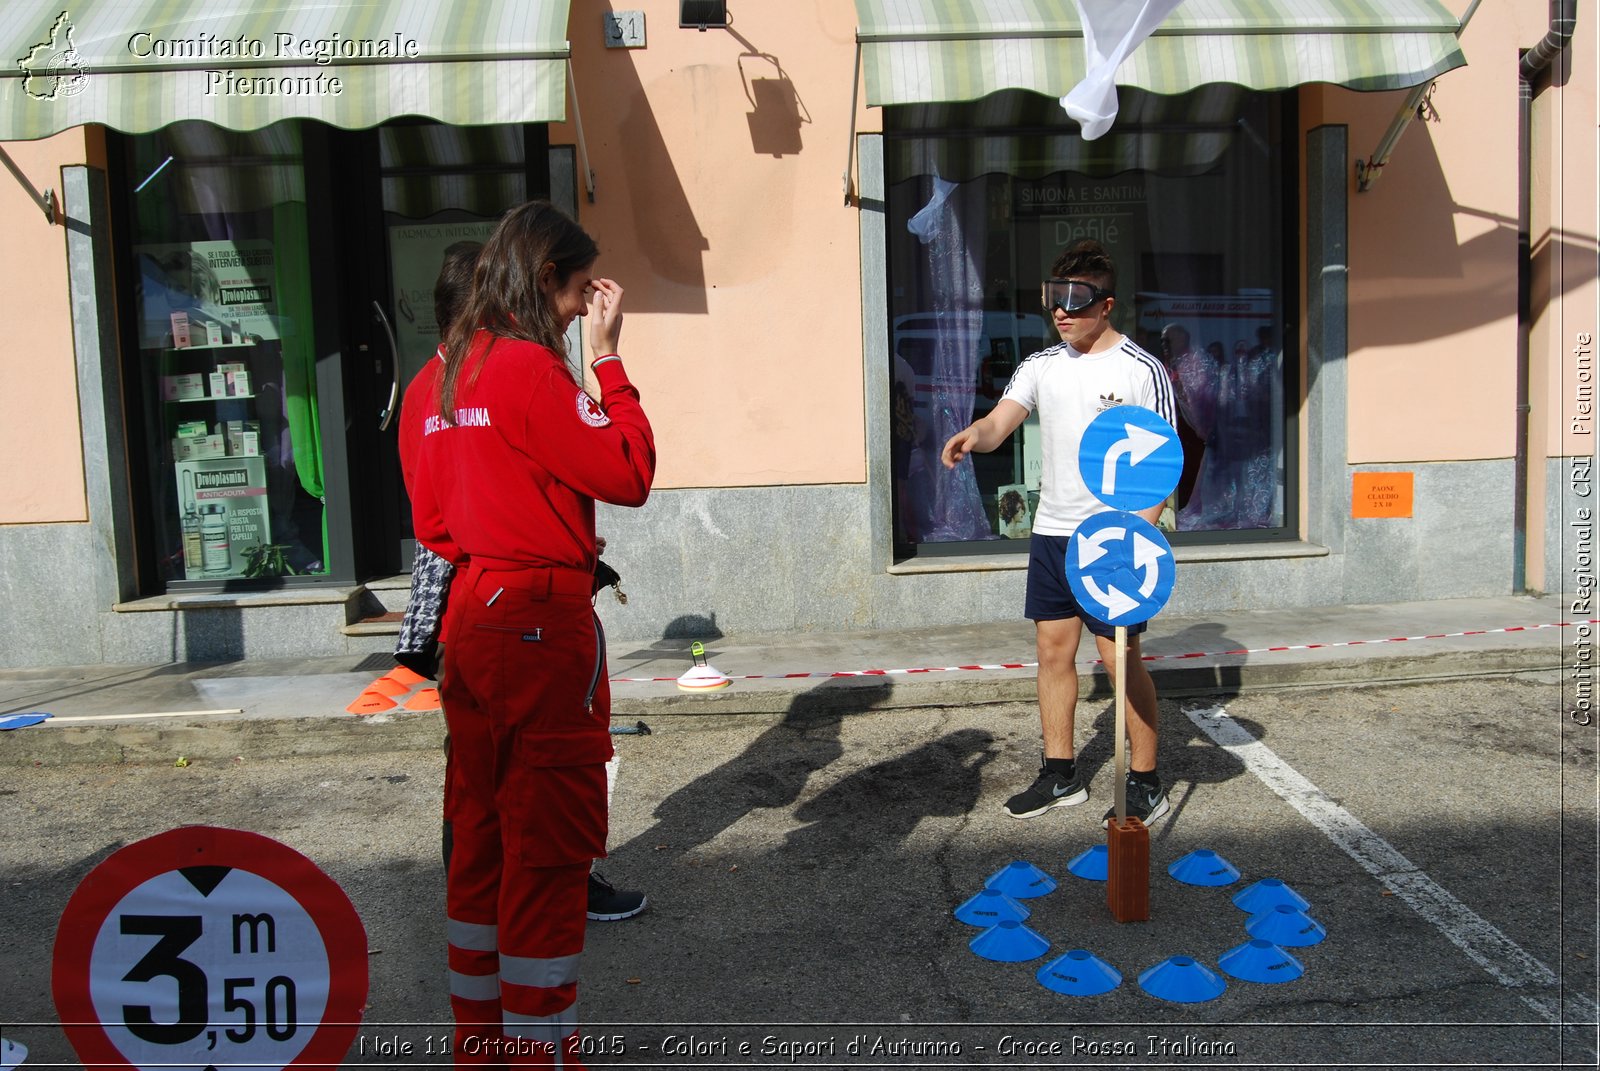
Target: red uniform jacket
point(513, 479)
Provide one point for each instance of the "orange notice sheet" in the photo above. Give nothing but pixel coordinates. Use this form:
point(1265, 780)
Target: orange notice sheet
point(1381, 494)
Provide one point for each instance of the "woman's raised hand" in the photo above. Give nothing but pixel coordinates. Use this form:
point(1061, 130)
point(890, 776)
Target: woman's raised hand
point(605, 317)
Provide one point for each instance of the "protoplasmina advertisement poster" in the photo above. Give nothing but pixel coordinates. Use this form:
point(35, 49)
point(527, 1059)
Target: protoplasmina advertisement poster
point(222, 504)
point(226, 282)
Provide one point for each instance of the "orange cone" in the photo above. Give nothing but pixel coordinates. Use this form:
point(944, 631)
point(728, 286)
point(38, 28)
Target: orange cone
point(407, 677)
point(386, 686)
point(370, 702)
point(426, 699)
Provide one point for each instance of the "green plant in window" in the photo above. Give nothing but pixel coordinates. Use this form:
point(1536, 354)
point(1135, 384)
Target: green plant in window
point(267, 560)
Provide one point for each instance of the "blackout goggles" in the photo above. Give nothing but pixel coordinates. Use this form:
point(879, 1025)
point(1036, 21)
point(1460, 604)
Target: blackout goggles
point(1070, 295)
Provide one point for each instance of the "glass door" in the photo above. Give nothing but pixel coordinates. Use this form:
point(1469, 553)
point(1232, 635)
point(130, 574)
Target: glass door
point(432, 186)
point(437, 185)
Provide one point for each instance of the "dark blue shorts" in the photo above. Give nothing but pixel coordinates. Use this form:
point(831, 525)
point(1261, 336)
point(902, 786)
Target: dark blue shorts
point(1050, 597)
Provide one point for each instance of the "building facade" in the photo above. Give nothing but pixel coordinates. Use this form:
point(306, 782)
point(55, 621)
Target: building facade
point(1363, 241)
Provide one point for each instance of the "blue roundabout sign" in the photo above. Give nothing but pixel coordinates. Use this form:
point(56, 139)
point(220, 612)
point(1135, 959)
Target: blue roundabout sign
point(1120, 567)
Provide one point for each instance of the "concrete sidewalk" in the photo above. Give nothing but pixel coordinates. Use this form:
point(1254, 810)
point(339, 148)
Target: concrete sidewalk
point(159, 712)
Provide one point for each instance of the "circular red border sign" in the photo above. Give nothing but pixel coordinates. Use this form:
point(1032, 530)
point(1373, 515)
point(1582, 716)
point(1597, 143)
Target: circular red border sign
point(343, 936)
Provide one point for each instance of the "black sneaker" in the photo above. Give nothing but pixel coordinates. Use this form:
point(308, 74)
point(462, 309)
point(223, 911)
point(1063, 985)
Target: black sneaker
point(1049, 790)
point(609, 904)
point(1145, 802)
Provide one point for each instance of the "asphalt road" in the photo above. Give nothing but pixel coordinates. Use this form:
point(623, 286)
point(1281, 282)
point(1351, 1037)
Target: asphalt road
point(803, 869)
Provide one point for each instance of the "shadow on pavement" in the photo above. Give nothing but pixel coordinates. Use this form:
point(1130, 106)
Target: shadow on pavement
point(881, 804)
point(771, 773)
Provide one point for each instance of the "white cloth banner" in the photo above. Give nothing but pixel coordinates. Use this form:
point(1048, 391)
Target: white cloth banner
point(1112, 30)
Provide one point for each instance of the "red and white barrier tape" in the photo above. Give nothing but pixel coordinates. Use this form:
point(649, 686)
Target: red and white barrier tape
point(1145, 658)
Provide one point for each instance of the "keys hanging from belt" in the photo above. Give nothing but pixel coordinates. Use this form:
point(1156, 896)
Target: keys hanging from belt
point(607, 577)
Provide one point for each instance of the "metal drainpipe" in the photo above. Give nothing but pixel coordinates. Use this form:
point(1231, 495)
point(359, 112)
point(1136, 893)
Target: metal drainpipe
point(1563, 19)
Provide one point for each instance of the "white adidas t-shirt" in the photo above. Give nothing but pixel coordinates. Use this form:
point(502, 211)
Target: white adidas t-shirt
point(1069, 389)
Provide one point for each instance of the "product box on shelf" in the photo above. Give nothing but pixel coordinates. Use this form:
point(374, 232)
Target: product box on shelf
point(236, 380)
point(200, 447)
point(244, 437)
point(180, 330)
point(182, 388)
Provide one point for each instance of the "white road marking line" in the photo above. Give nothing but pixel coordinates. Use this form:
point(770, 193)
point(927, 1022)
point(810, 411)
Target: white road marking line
point(1492, 950)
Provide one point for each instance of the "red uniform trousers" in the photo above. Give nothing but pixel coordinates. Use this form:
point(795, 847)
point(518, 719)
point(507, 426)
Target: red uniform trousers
point(525, 795)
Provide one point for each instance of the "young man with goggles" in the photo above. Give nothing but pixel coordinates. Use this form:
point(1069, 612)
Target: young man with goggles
point(1095, 367)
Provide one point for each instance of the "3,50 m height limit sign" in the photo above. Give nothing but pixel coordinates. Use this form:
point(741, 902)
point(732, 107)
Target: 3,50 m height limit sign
point(205, 946)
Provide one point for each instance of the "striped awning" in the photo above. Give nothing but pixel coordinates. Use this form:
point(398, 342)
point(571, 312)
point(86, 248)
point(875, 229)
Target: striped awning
point(138, 65)
point(922, 51)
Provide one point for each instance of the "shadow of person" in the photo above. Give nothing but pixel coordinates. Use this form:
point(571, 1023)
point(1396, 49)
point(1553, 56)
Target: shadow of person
point(878, 807)
point(677, 638)
point(1211, 662)
point(770, 773)
point(1197, 668)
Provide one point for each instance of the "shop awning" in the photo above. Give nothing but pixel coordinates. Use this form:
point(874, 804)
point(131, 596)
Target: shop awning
point(136, 65)
point(923, 51)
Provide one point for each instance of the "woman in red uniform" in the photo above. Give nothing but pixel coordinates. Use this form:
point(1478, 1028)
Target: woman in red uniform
point(504, 468)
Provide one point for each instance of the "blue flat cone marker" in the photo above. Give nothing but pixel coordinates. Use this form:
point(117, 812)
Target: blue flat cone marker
point(1260, 961)
point(990, 908)
point(1079, 974)
point(22, 721)
point(1009, 942)
point(1182, 980)
point(1286, 927)
point(1021, 880)
point(1091, 865)
point(1269, 892)
point(12, 1053)
point(1204, 867)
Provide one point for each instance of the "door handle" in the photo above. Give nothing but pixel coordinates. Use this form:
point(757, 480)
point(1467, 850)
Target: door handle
point(387, 415)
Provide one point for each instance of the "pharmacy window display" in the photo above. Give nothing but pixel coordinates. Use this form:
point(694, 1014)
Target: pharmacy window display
point(1188, 194)
point(227, 373)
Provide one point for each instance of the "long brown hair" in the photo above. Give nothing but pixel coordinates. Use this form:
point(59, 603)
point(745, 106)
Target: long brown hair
point(506, 300)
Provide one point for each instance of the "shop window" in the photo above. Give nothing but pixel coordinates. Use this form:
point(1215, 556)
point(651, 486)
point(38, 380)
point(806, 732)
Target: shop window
point(1188, 195)
point(225, 382)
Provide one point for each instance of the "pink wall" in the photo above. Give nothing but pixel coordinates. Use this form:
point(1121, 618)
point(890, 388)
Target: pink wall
point(1433, 259)
point(1433, 252)
point(742, 268)
point(41, 451)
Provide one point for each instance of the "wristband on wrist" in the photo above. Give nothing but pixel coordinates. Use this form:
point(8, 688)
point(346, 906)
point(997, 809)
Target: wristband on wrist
point(598, 361)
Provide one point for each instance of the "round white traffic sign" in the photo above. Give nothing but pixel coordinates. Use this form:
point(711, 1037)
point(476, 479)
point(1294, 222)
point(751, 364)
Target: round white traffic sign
point(207, 946)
